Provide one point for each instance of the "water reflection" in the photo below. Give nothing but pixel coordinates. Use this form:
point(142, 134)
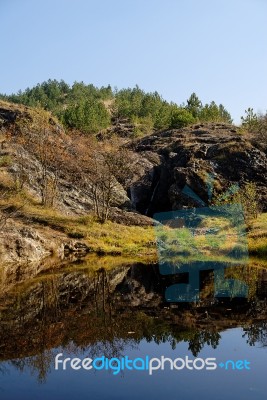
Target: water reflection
point(96, 310)
point(256, 334)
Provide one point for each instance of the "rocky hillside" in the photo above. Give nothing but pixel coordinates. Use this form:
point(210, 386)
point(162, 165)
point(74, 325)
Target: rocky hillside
point(167, 161)
point(27, 157)
point(38, 157)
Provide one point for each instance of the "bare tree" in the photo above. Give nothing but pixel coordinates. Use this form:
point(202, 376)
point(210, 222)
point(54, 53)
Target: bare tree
point(104, 166)
point(39, 139)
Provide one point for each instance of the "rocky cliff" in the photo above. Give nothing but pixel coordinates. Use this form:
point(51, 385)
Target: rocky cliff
point(167, 161)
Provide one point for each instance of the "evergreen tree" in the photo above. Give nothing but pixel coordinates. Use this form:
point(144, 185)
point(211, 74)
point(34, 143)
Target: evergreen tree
point(84, 107)
point(194, 105)
point(250, 120)
point(213, 113)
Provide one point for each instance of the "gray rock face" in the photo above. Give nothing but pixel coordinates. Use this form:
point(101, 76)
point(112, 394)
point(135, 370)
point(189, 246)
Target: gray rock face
point(22, 244)
point(74, 196)
point(167, 161)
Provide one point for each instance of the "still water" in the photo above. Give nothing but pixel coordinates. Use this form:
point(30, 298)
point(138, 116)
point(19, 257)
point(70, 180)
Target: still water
point(121, 312)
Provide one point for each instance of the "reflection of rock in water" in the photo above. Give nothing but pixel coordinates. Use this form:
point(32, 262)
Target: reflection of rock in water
point(262, 284)
point(112, 308)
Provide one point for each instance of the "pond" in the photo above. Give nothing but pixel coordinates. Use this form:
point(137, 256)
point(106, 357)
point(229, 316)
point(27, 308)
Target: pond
point(109, 333)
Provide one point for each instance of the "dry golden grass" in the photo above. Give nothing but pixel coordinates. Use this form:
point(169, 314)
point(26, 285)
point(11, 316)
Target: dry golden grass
point(117, 239)
point(257, 237)
point(107, 238)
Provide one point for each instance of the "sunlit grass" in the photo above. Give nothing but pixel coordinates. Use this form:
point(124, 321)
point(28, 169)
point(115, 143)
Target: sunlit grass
point(116, 239)
point(257, 236)
point(213, 238)
point(107, 238)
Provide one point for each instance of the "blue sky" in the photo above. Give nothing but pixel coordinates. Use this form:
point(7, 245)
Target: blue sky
point(216, 48)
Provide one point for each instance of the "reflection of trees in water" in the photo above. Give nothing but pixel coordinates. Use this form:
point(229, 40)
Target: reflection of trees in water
point(113, 348)
point(40, 364)
point(196, 339)
point(256, 334)
point(202, 338)
point(43, 363)
point(82, 312)
point(102, 296)
point(3, 370)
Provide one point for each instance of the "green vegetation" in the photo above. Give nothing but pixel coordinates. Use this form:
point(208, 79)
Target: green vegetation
point(150, 107)
point(207, 113)
point(87, 115)
point(214, 239)
point(255, 125)
point(90, 109)
point(220, 244)
point(80, 106)
point(250, 120)
point(109, 238)
point(257, 236)
point(246, 195)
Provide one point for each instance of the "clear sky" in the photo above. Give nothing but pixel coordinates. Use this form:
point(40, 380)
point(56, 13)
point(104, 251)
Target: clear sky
point(216, 48)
